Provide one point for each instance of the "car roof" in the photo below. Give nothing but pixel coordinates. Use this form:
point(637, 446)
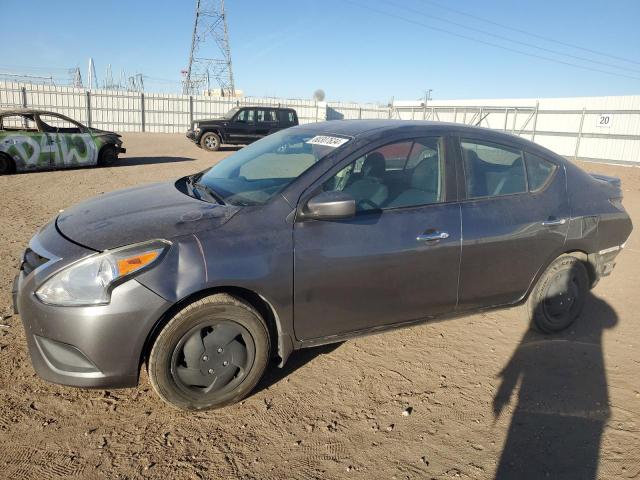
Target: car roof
point(266, 106)
point(364, 128)
point(26, 111)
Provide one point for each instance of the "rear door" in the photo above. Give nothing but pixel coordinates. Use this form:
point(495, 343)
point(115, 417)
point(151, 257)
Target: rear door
point(397, 260)
point(22, 139)
point(514, 220)
point(265, 122)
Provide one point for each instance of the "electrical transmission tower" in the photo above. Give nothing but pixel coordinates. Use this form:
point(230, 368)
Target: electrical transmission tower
point(210, 57)
point(76, 77)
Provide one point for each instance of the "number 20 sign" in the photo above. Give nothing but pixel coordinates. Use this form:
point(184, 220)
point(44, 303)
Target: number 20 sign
point(604, 120)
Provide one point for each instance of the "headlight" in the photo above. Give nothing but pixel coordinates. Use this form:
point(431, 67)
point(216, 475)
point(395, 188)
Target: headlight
point(196, 126)
point(90, 281)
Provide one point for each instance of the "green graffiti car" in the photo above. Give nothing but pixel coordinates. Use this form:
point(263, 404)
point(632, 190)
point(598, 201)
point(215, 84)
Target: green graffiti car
point(39, 140)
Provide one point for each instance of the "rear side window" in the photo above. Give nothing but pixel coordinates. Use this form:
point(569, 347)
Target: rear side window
point(286, 117)
point(492, 170)
point(18, 122)
point(539, 171)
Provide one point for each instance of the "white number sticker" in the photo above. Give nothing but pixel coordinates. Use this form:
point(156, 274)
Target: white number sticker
point(327, 141)
point(604, 120)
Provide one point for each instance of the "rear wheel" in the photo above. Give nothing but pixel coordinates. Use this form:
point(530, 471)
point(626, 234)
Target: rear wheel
point(108, 156)
point(6, 165)
point(212, 353)
point(558, 298)
point(210, 141)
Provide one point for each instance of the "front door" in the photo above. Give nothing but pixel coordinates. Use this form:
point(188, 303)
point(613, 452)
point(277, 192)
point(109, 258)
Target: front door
point(71, 144)
point(242, 128)
point(514, 221)
point(396, 261)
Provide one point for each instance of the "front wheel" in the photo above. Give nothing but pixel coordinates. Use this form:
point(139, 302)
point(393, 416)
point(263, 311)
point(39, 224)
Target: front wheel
point(210, 141)
point(108, 156)
point(212, 353)
point(559, 296)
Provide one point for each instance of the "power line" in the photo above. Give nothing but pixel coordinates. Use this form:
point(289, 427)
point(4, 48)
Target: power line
point(478, 40)
point(508, 39)
point(536, 35)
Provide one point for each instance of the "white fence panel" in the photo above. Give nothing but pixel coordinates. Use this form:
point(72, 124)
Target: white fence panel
point(596, 128)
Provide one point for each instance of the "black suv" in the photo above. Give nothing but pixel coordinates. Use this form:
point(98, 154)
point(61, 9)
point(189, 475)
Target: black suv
point(241, 126)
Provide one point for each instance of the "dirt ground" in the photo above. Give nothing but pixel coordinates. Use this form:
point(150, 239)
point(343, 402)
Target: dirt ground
point(462, 398)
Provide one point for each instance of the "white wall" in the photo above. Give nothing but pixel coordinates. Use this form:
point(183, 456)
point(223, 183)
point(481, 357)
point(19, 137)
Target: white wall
point(557, 122)
point(565, 125)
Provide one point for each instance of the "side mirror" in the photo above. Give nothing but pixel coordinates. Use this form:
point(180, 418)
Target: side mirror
point(330, 206)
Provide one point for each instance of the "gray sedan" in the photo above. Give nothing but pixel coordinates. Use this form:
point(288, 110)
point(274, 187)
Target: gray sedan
point(312, 235)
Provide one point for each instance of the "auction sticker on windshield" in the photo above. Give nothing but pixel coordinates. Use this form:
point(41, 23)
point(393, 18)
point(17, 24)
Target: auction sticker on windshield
point(327, 141)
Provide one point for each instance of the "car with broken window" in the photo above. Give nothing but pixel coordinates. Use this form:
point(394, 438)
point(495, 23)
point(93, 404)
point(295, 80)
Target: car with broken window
point(40, 140)
point(313, 235)
point(241, 126)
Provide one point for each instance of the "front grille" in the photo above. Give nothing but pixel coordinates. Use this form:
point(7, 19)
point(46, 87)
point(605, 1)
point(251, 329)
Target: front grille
point(31, 261)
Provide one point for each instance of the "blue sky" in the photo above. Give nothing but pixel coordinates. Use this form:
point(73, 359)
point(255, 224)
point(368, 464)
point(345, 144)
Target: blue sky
point(359, 50)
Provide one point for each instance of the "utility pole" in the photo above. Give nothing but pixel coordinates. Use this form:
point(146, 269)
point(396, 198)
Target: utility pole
point(427, 97)
point(210, 55)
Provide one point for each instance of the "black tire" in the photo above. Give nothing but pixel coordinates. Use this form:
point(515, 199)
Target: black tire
point(210, 141)
point(108, 156)
point(7, 165)
point(559, 296)
point(183, 361)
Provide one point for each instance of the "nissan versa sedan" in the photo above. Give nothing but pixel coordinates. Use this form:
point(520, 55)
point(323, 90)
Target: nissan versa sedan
point(312, 235)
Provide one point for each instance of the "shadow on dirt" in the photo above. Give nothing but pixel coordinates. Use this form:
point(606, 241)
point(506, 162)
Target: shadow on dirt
point(298, 359)
point(131, 161)
point(563, 401)
point(230, 148)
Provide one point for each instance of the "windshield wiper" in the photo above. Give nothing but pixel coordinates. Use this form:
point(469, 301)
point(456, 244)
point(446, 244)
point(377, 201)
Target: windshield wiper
point(209, 191)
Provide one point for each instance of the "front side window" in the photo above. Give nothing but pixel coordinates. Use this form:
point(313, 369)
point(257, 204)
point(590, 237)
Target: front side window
point(229, 115)
point(246, 116)
point(55, 124)
point(256, 173)
point(492, 170)
point(401, 174)
point(539, 171)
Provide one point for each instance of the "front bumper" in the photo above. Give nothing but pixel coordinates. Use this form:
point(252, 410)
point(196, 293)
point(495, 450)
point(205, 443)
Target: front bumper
point(120, 150)
point(193, 135)
point(97, 346)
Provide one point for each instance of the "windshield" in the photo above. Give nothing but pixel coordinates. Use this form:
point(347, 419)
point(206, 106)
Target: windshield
point(229, 115)
point(256, 173)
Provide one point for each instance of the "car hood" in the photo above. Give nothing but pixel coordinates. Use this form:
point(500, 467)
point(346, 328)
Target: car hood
point(211, 121)
point(137, 214)
point(97, 131)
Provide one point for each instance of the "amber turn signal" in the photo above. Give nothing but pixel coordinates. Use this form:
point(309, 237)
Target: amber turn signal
point(131, 264)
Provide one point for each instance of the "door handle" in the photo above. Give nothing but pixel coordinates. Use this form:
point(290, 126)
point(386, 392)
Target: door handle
point(554, 221)
point(432, 237)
